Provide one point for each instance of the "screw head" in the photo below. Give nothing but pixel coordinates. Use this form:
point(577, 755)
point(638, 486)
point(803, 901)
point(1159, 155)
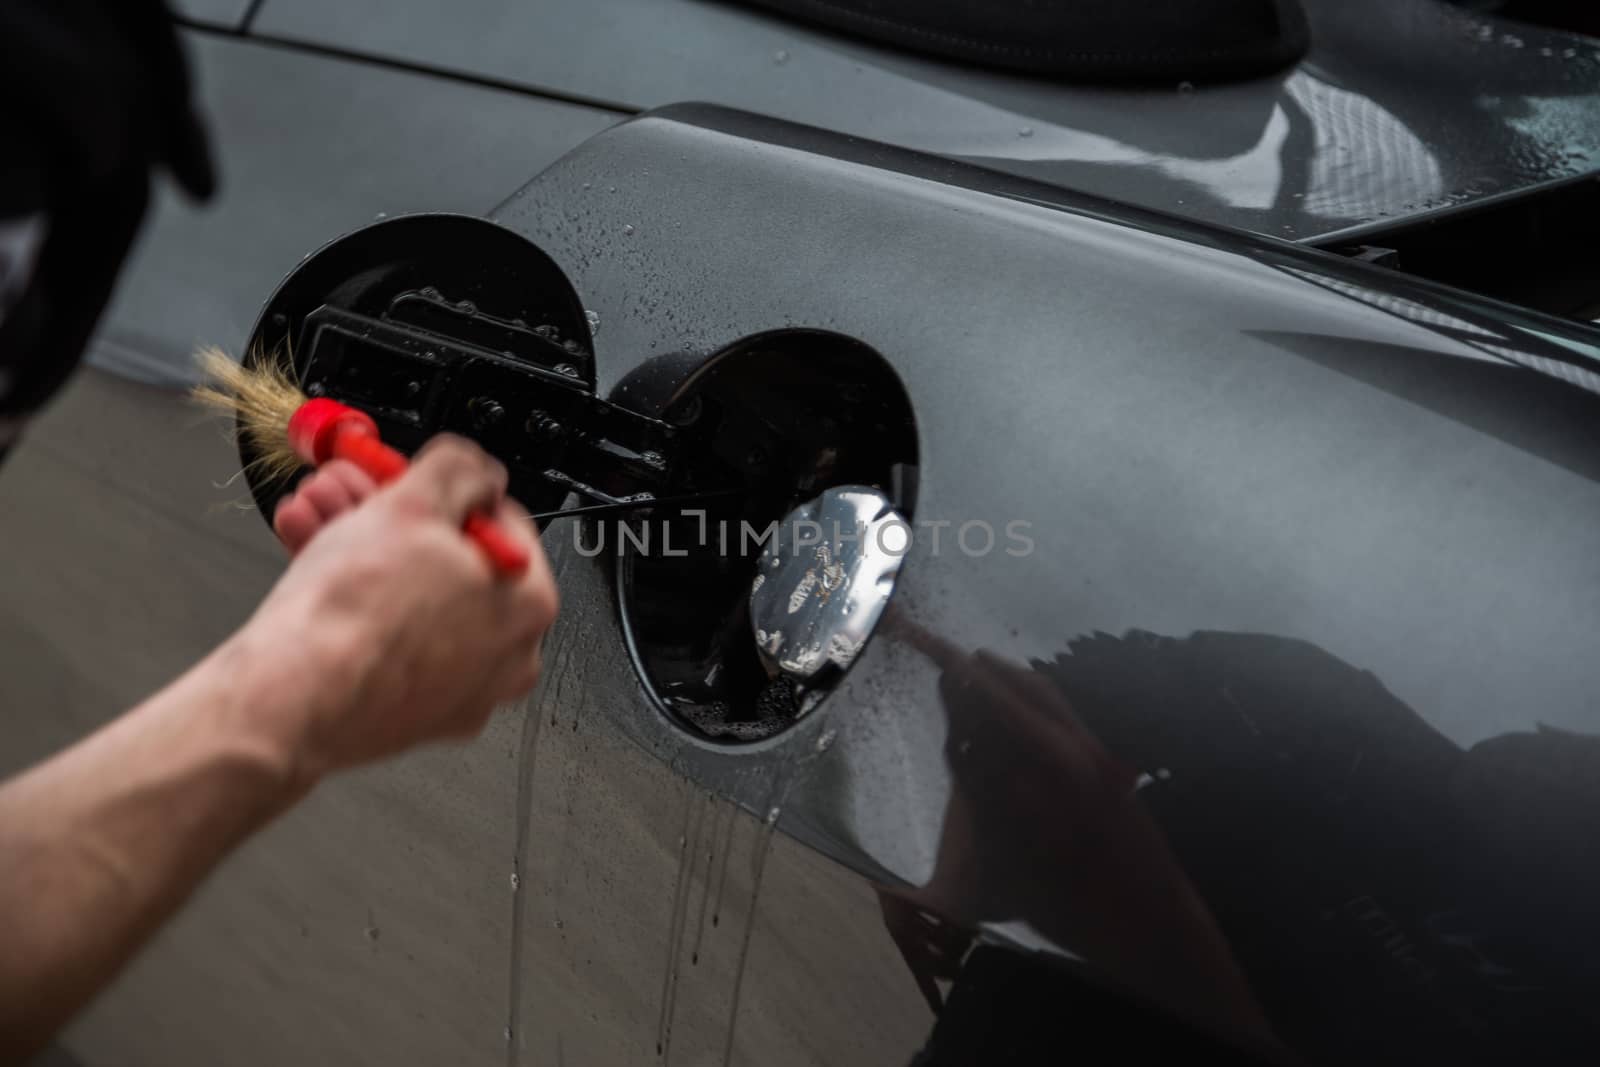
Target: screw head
point(540, 424)
point(485, 412)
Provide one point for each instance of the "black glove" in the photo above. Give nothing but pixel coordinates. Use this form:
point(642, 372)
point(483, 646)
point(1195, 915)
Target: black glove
point(97, 94)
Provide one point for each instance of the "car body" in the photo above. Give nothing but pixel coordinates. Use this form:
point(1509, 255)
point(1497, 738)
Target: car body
point(1273, 742)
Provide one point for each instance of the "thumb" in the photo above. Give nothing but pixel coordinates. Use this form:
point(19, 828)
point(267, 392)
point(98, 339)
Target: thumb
point(453, 478)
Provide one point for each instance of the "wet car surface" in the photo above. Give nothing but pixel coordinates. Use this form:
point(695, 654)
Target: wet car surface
point(1276, 732)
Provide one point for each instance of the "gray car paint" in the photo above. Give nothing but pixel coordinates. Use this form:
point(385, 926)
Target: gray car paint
point(1401, 108)
point(1217, 440)
point(307, 147)
point(1206, 435)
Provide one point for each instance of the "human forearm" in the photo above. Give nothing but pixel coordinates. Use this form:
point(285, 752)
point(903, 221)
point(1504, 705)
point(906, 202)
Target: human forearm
point(102, 842)
point(388, 631)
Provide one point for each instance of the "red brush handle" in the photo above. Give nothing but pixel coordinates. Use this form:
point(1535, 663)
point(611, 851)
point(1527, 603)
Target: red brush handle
point(323, 429)
point(508, 555)
point(383, 464)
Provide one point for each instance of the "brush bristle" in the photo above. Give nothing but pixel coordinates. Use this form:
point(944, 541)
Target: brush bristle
point(261, 398)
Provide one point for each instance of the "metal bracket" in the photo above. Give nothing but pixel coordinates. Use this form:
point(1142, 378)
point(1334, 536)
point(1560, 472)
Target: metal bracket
point(430, 365)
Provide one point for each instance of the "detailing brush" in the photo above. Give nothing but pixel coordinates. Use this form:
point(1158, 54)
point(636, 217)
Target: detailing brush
point(285, 429)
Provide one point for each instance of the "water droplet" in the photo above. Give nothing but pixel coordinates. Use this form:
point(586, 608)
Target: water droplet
point(825, 741)
point(1026, 131)
point(593, 319)
point(381, 215)
point(611, 188)
point(627, 230)
point(1164, 774)
point(1186, 87)
point(506, 1033)
point(772, 816)
point(587, 184)
point(516, 881)
point(781, 56)
point(558, 923)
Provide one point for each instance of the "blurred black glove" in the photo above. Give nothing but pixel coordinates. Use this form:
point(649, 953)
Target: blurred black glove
point(97, 96)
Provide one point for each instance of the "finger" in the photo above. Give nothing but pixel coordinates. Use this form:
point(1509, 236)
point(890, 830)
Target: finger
point(538, 584)
point(471, 714)
point(1032, 691)
point(328, 494)
point(972, 702)
point(453, 478)
point(943, 653)
point(520, 677)
point(469, 718)
point(983, 701)
point(295, 522)
point(1032, 715)
point(965, 675)
point(514, 517)
point(352, 477)
point(533, 613)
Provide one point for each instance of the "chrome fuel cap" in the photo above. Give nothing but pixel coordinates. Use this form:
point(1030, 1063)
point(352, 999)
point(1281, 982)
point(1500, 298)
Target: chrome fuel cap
point(824, 578)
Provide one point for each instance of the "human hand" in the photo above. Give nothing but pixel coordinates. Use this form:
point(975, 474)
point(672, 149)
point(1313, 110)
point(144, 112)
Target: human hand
point(390, 625)
point(322, 496)
point(1045, 825)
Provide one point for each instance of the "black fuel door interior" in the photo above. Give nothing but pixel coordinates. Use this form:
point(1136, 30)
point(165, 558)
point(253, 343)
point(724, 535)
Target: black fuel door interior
point(434, 323)
point(743, 611)
point(756, 500)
